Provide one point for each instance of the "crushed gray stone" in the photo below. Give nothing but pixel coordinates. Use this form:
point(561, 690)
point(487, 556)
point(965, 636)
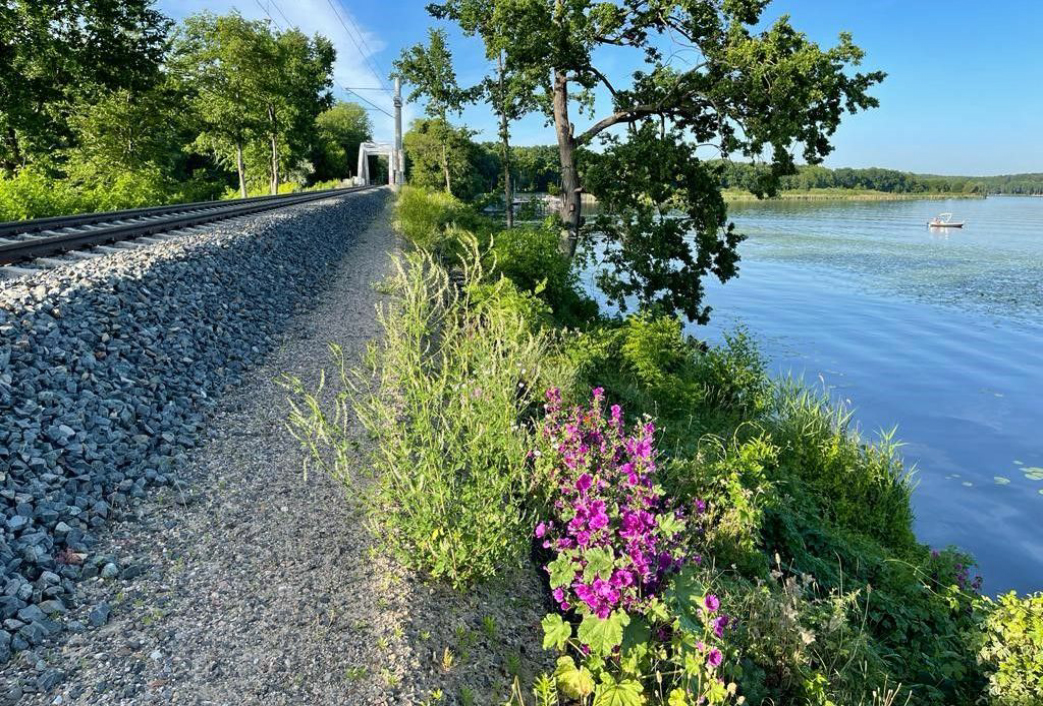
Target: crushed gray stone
point(263, 585)
point(109, 369)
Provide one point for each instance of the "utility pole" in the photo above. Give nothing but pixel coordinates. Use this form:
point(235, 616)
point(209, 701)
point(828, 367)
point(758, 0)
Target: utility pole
point(398, 157)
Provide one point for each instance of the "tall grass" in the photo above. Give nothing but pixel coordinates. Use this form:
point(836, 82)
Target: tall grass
point(456, 382)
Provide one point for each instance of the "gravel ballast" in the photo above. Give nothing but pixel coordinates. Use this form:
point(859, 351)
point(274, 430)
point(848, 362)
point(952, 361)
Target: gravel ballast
point(260, 585)
point(109, 369)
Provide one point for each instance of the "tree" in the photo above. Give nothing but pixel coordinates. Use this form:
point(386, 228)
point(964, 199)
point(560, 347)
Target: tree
point(433, 148)
point(740, 91)
point(429, 69)
point(341, 130)
point(511, 89)
point(216, 59)
point(54, 53)
point(292, 88)
point(248, 83)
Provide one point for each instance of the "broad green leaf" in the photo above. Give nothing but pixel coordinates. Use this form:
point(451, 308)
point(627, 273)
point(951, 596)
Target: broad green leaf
point(603, 636)
point(600, 562)
point(670, 525)
point(562, 571)
point(637, 633)
point(574, 682)
point(556, 632)
point(625, 692)
point(677, 698)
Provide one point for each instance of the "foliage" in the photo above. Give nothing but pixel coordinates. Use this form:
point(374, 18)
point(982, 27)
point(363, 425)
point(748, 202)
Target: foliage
point(341, 129)
point(436, 152)
point(449, 459)
point(529, 257)
point(1012, 649)
point(251, 86)
point(434, 221)
point(665, 221)
point(618, 543)
point(31, 194)
point(62, 52)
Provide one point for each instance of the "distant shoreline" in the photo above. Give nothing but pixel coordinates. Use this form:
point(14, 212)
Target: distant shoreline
point(740, 196)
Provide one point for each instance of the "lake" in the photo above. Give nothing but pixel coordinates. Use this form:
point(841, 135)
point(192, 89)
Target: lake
point(939, 332)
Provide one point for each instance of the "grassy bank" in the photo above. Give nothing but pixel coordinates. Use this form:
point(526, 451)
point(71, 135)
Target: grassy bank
point(704, 533)
point(741, 196)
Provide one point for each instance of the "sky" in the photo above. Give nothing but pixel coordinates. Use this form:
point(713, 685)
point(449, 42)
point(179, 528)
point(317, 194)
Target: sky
point(963, 93)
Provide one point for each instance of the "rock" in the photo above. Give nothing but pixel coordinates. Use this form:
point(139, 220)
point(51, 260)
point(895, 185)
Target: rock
point(110, 571)
point(17, 522)
point(30, 614)
point(100, 615)
point(49, 679)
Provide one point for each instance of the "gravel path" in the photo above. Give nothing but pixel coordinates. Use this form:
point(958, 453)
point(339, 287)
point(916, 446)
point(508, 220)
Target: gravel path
point(254, 585)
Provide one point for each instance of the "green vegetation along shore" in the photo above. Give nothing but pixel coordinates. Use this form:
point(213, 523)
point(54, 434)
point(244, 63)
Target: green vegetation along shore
point(742, 196)
point(704, 533)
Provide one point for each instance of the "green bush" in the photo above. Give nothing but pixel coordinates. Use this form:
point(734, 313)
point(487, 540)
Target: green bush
point(1012, 650)
point(434, 220)
point(31, 194)
point(457, 380)
point(531, 257)
point(859, 486)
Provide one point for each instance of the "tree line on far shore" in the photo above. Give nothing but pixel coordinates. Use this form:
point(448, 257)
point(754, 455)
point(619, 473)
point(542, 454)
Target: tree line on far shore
point(113, 105)
point(477, 168)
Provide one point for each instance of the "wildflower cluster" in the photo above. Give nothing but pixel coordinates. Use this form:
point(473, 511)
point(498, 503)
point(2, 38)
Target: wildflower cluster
point(621, 567)
point(615, 542)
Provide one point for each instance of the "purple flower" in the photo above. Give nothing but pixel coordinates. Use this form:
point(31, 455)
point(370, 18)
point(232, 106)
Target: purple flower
point(584, 482)
point(712, 602)
point(700, 506)
point(719, 624)
point(541, 530)
point(714, 659)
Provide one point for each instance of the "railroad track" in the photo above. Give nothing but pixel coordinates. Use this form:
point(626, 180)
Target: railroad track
point(37, 242)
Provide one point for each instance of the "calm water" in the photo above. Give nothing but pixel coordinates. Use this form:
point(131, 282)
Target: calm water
point(939, 333)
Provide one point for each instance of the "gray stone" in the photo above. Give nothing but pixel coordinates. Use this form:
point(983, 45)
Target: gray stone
point(110, 571)
point(100, 615)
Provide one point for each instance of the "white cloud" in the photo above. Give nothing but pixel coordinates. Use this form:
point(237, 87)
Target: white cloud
point(356, 65)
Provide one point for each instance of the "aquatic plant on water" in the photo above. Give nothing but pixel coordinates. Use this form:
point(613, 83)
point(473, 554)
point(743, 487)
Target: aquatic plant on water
point(637, 619)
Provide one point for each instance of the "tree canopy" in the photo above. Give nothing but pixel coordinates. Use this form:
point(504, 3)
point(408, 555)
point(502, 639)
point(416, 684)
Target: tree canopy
point(706, 76)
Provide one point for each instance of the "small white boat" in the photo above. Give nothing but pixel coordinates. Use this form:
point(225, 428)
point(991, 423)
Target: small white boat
point(944, 220)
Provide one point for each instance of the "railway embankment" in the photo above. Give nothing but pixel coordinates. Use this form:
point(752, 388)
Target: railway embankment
point(109, 369)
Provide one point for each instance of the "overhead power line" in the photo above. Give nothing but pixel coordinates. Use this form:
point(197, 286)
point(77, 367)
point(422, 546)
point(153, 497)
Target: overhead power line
point(362, 53)
point(367, 100)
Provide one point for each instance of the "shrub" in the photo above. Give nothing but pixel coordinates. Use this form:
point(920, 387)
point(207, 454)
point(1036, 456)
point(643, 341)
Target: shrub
point(644, 630)
point(31, 194)
point(1012, 649)
point(450, 477)
point(427, 219)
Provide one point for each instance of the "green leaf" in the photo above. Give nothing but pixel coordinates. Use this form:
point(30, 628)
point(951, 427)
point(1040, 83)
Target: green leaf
point(599, 562)
point(562, 571)
point(603, 636)
point(574, 682)
point(670, 525)
point(625, 692)
point(637, 633)
point(556, 632)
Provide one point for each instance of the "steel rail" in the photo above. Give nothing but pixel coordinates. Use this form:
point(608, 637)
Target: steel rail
point(12, 228)
point(43, 246)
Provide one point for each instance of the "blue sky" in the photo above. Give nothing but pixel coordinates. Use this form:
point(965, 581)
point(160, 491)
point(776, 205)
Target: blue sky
point(963, 94)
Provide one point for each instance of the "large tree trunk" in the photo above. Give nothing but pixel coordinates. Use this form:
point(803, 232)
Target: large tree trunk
point(240, 164)
point(571, 200)
point(505, 141)
point(275, 152)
